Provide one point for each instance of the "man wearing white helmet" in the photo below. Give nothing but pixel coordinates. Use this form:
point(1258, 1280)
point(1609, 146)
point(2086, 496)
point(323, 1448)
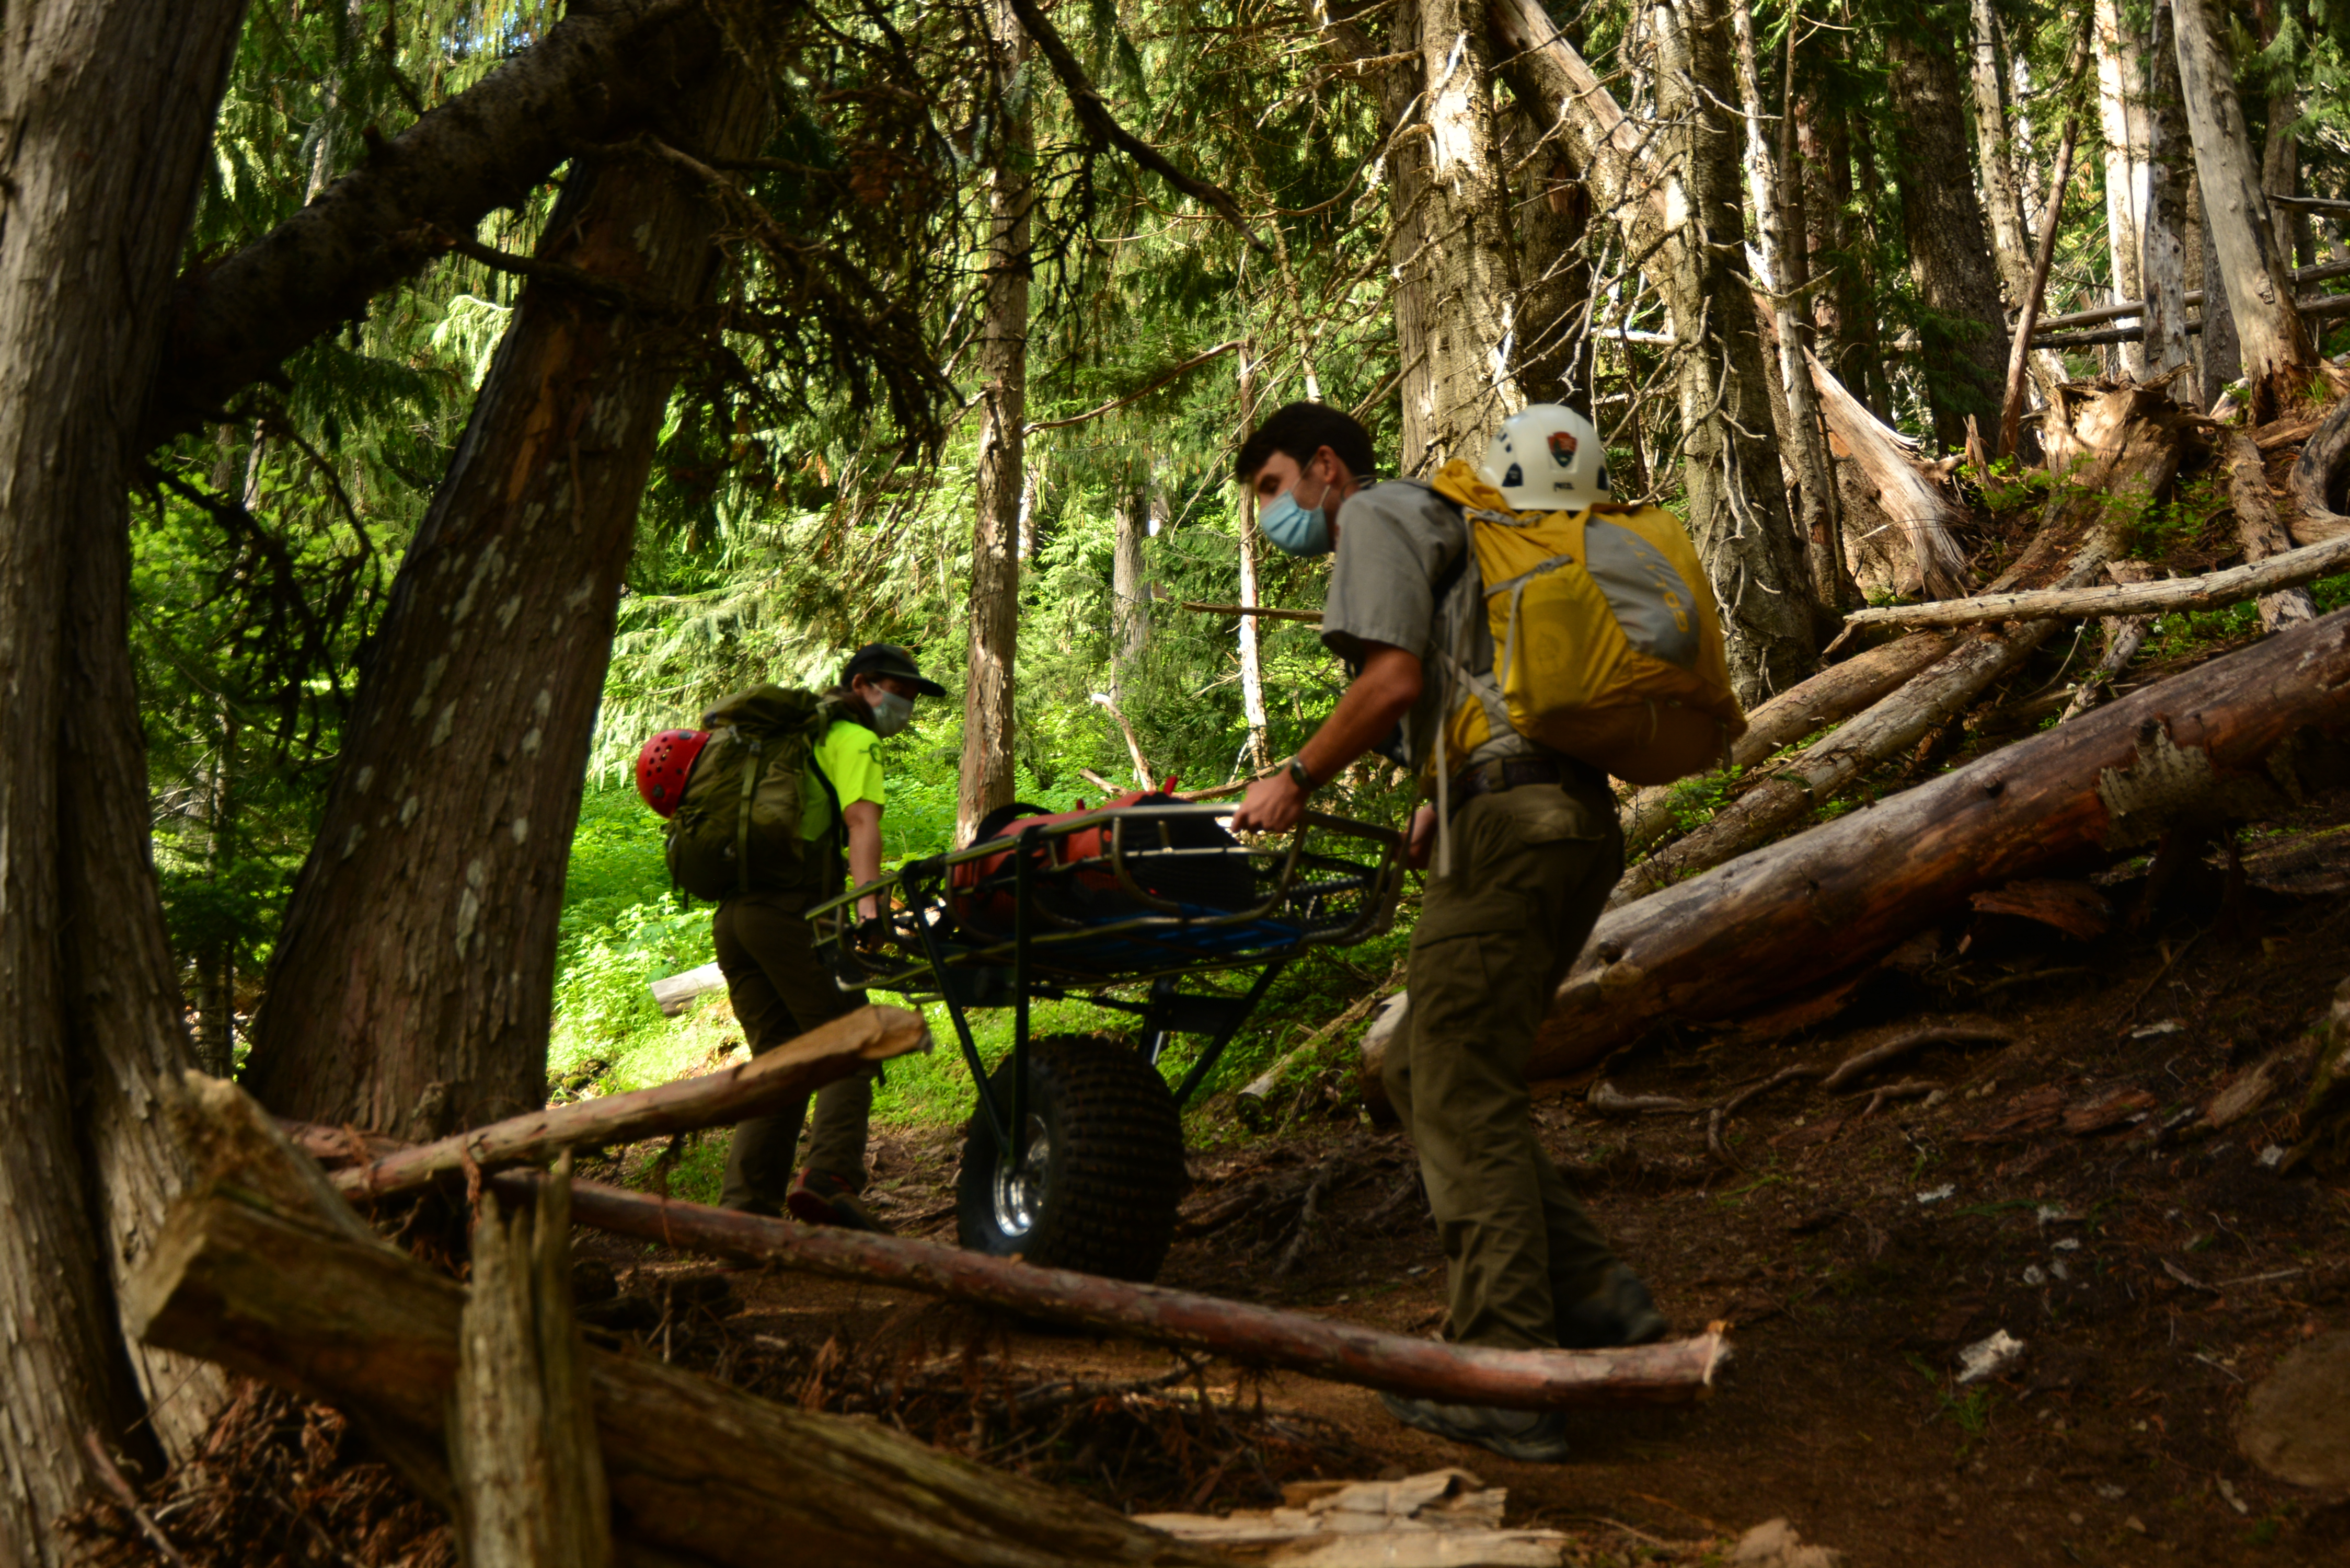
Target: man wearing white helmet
point(1535, 849)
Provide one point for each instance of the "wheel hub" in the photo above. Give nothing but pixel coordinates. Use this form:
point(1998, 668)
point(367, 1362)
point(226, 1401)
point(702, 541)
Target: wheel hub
point(1020, 1189)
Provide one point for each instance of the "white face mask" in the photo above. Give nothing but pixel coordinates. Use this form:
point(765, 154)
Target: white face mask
point(891, 712)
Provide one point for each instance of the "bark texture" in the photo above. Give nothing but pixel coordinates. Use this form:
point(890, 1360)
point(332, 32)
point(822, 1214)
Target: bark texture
point(1961, 347)
point(1801, 437)
point(410, 986)
point(1460, 272)
point(2278, 357)
point(2162, 253)
point(107, 104)
point(523, 1449)
point(599, 74)
point(2122, 112)
point(993, 639)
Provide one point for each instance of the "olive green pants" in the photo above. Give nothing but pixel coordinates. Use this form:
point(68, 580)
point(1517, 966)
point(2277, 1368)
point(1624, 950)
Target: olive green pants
point(1530, 869)
point(781, 989)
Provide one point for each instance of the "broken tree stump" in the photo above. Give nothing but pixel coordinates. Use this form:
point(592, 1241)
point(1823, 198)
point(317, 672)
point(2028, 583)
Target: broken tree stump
point(2233, 738)
point(826, 1053)
point(1669, 1374)
point(522, 1451)
point(262, 1269)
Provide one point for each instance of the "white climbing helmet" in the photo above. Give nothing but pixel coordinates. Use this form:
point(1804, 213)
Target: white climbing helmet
point(1547, 459)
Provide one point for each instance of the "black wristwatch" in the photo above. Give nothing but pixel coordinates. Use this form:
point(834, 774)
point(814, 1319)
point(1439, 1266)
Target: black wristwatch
point(1300, 775)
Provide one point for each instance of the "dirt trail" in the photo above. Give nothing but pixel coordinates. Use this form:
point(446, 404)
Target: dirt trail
point(2152, 1277)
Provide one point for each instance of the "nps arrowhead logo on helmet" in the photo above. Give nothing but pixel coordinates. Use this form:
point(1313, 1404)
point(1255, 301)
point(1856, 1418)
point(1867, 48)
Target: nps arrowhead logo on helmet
point(1577, 474)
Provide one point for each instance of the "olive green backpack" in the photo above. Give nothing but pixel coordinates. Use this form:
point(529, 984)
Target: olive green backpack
point(737, 830)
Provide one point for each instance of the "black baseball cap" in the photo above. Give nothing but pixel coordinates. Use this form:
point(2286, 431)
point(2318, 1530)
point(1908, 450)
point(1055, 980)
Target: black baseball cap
point(876, 659)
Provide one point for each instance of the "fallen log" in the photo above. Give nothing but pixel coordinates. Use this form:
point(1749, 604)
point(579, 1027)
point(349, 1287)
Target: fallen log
point(671, 992)
point(1832, 695)
point(262, 1269)
point(829, 1052)
point(2134, 435)
point(2210, 591)
point(1668, 1373)
point(2223, 740)
point(2264, 537)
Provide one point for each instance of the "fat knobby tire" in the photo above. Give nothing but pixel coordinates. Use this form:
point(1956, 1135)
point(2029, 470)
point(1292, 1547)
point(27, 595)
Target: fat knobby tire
point(1116, 1169)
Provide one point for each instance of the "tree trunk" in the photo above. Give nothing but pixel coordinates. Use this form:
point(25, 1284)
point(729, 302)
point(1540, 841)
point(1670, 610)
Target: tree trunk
point(2201, 747)
point(2122, 111)
point(109, 104)
point(1129, 590)
point(1553, 343)
point(1962, 343)
point(1252, 663)
point(1801, 434)
point(1460, 273)
point(2218, 362)
point(2278, 355)
point(2010, 239)
point(988, 718)
point(598, 75)
point(410, 987)
point(1737, 501)
point(1841, 313)
point(2162, 266)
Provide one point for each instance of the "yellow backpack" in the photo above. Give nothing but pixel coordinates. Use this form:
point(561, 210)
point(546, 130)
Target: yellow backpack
point(1606, 643)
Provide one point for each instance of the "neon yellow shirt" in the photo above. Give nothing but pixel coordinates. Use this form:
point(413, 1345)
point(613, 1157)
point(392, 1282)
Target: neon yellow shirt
point(846, 756)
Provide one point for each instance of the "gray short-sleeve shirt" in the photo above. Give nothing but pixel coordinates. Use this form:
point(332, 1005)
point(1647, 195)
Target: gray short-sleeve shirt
point(1400, 577)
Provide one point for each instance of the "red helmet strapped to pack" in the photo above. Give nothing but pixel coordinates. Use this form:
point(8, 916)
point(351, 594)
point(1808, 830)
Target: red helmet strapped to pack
point(663, 764)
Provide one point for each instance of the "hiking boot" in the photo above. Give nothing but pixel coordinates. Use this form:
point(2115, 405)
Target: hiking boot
point(1535, 1437)
point(820, 1198)
point(1620, 1313)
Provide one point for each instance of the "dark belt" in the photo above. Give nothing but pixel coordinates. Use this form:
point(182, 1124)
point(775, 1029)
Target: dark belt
point(1492, 778)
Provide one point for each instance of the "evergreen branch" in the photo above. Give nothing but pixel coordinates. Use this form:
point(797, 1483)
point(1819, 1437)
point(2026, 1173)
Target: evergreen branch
point(556, 275)
point(1193, 363)
point(1094, 114)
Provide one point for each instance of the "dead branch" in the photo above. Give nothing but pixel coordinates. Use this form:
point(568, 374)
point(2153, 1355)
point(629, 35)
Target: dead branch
point(1092, 113)
point(2210, 591)
point(2264, 538)
point(2125, 635)
point(1907, 1089)
point(828, 1052)
point(1673, 1372)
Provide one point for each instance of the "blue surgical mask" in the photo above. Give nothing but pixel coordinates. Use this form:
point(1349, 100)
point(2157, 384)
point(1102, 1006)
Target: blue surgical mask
point(1296, 530)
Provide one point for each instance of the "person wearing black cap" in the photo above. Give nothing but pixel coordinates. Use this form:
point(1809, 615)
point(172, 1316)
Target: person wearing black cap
point(781, 989)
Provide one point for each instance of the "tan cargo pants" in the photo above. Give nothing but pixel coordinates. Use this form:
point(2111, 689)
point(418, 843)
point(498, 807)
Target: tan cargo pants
point(781, 989)
point(1530, 869)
